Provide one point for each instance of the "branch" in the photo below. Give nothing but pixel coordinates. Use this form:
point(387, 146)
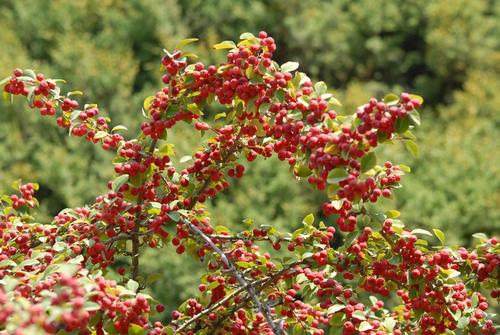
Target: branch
point(265, 283)
point(214, 306)
point(135, 234)
point(234, 238)
point(249, 286)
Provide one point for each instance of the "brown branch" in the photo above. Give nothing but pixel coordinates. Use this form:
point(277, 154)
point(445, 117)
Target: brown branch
point(265, 283)
point(249, 286)
point(135, 233)
point(233, 238)
point(214, 307)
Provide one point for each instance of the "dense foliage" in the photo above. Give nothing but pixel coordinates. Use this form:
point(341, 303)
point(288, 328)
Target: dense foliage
point(384, 279)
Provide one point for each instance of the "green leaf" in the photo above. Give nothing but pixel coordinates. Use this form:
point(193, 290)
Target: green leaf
point(389, 324)
point(309, 219)
point(25, 79)
point(225, 45)
point(280, 95)
point(4, 81)
point(190, 55)
point(409, 135)
point(119, 182)
point(8, 97)
point(391, 99)
point(175, 216)
point(100, 134)
point(392, 214)
point(117, 128)
point(185, 159)
point(368, 161)
point(364, 326)
point(411, 147)
point(30, 73)
point(289, 67)
point(302, 171)
point(193, 108)
point(337, 204)
point(135, 329)
point(404, 168)
point(220, 115)
point(69, 269)
point(154, 208)
point(246, 36)
point(402, 125)
point(244, 265)
point(264, 108)
point(91, 306)
point(153, 277)
point(74, 93)
point(421, 232)
point(337, 175)
point(31, 94)
point(439, 234)
point(7, 262)
point(328, 122)
point(450, 273)
point(74, 114)
point(320, 88)
point(417, 97)
point(167, 149)
point(132, 285)
point(350, 238)
point(297, 329)
point(414, 116)
point(480, 236)
point(184, 42)
point(59, 246)
point(334, 102)
point(474, 300)
point(359, 315)
point(334, 309)
point(463, 322)
point(148, 101)
point(28, 262)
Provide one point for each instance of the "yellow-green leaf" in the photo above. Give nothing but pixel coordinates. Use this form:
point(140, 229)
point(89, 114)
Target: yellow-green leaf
point(148, 101)
point(184, 42)
point(439, 234)
point(309, 219)
point(225, 45)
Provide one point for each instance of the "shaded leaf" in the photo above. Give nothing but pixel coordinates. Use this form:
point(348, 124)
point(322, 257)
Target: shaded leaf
point(368, 161)
point(119, 182)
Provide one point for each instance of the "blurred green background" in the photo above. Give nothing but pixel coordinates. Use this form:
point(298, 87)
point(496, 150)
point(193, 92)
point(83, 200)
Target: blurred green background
point(446, 51)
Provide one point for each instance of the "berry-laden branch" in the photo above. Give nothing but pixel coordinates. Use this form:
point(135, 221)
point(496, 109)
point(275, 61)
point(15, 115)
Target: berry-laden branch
point(51, 275)
point(248, 286)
